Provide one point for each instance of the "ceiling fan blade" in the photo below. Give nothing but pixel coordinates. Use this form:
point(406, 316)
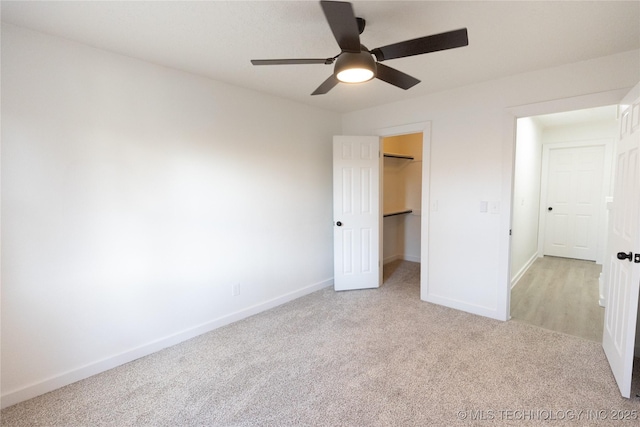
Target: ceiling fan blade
point(344, 26)
point(395, 77)
point(326, 86)
point(291, 61)
point(433, 43)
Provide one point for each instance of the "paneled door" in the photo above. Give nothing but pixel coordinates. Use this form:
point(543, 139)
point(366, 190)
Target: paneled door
point(574, 202)
point(623, 253)
point(357, 215)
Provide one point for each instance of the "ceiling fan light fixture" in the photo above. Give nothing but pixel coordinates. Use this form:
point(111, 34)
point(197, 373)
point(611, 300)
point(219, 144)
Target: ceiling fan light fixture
point(355, 75)
point(355, 67)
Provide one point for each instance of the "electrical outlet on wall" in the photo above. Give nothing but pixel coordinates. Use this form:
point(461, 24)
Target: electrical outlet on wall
point(235, 289)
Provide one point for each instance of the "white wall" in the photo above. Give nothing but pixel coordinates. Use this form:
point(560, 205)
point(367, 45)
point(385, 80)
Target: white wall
point(472, 149)
point(526, 197)
point(602, 129)
point(134, 197)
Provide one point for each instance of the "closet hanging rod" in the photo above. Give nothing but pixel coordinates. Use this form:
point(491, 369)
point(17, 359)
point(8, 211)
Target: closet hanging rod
point(408, 211)
point(398, 156)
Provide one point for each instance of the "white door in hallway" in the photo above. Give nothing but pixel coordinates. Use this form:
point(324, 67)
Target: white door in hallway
point(623, 253)
point(574, 201)
point(357, 214)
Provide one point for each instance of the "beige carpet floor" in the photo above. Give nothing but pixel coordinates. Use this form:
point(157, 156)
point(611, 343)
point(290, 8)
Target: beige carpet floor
point(362, 358)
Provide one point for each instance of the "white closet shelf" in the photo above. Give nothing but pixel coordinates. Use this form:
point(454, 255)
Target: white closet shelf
point(398, 156)
point(406, 211)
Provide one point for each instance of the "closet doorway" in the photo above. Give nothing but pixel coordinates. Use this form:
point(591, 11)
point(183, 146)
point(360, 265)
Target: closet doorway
point(402, 201)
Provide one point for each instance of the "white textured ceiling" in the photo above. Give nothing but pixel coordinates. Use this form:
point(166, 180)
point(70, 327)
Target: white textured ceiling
point(217, 39)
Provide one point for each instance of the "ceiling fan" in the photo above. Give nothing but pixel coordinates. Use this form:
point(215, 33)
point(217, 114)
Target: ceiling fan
point(356, 64)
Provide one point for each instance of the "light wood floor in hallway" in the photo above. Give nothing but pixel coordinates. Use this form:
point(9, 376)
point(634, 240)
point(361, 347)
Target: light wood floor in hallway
point(560, 294)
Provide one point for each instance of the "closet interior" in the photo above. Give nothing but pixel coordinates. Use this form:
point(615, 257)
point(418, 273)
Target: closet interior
point(402, 197)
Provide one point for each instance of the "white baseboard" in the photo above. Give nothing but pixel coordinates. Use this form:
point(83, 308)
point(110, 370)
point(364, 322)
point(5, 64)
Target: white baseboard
point(411, 258)
point(462, 306)
point(523, 270)
point(69, 377)
point(392, 258)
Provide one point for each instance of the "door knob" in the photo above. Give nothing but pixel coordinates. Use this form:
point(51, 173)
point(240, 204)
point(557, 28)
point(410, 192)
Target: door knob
point(339, 224)
point(623, 256)
point(550, 208)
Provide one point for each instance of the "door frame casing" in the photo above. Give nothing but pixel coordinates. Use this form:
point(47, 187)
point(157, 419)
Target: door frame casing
point(425, 129)
point(510, 117)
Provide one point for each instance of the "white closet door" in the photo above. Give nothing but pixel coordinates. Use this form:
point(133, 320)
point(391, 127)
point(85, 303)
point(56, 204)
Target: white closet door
point(357, 212)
